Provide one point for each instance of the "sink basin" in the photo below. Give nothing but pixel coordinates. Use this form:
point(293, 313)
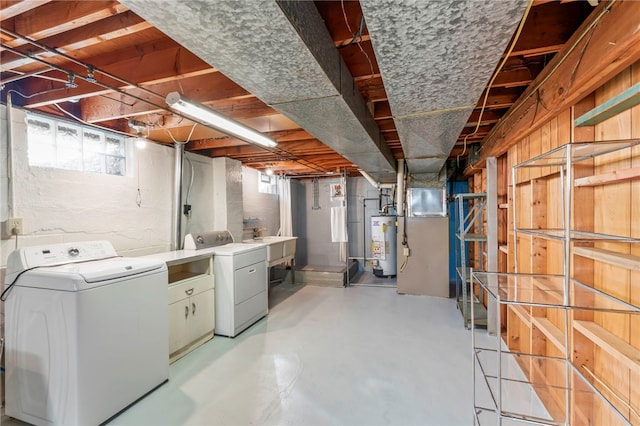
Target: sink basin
point(279, 249)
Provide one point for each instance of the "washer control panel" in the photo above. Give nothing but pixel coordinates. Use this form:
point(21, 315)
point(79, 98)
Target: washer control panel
point(207, 240)
point(55, 254)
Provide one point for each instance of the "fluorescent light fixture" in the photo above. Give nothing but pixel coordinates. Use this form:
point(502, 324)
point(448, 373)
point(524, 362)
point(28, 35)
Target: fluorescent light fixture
point(210, 118)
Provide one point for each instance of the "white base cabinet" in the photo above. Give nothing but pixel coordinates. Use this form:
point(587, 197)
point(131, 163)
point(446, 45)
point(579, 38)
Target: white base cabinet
point(191, 305)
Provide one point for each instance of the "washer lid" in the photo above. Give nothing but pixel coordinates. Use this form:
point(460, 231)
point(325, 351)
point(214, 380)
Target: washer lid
point(84, 275)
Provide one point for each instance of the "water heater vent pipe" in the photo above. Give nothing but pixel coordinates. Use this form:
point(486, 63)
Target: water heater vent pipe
point(400, 190)
point(373, 182)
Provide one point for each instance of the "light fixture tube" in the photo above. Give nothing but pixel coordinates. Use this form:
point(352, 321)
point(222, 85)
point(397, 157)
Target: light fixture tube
point(208, 117)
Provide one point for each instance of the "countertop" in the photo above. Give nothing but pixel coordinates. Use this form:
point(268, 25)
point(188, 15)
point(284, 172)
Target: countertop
point(177, 257)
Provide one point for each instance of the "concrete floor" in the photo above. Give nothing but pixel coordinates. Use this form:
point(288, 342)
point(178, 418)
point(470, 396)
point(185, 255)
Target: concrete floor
point(325, 356)
point(368, 279)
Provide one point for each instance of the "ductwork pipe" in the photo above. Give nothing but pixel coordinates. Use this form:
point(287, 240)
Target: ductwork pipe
point(177, 193)
point(372, 181)
point(400, 188)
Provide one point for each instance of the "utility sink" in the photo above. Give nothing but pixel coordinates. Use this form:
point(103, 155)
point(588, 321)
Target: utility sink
point(279, 249)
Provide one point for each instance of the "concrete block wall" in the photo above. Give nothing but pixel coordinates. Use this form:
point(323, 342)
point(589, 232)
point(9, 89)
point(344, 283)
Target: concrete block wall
point(263, 210)
point(227, 196)
point(313, 226)
point(63, 205)
point(200, 196)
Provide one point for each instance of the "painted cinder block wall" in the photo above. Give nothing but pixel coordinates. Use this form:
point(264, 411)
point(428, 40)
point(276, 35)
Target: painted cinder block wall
point(63, 206)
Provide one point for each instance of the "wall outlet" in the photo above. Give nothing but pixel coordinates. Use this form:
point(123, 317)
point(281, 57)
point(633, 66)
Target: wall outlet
point(12, 226)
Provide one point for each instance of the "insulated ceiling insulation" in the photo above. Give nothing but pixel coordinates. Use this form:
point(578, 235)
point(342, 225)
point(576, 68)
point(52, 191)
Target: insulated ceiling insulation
point(435, 58)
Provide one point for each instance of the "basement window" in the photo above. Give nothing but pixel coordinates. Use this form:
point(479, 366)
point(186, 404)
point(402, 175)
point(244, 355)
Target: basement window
point(62, 145)
point(267, 184)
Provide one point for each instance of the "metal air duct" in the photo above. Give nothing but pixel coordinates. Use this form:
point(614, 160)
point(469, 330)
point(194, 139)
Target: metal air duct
point(281, 52)
point(436, 58)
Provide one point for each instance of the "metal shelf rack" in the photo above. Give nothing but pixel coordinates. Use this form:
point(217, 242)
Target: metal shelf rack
point(514, 380)
point(469, 208)
point(561, 363)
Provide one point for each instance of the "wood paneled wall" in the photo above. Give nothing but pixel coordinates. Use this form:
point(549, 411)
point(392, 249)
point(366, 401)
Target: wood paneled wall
point(611, 208)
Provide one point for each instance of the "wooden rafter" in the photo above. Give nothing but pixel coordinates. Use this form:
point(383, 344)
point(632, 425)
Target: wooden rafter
point(572, 74)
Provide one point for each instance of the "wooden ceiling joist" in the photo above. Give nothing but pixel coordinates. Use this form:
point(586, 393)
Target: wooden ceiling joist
point(137, 69)
point(281, 136)
point(108, 36)
point(56, 17)
point(588, 60)
point(14, 8)
point(109, 28)
point(202, 88)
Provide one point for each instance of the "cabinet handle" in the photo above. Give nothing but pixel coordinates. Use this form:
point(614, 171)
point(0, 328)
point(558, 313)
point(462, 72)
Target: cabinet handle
point(193, 308)
point(189, 292)
point(186, 311)
point(251, 271)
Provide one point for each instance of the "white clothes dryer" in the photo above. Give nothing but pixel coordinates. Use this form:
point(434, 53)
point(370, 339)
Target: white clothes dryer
point(86, 332)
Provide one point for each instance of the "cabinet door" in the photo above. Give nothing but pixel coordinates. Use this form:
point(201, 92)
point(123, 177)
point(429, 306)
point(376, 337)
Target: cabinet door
point(202, 314)
point(179, 318)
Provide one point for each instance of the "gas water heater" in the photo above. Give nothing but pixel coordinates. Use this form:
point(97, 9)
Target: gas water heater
point(383, 245)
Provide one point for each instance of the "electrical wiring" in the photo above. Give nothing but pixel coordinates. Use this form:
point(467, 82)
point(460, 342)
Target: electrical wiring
point(37, 93)
point(173, 138)
point(572, 77)
point(21, 75)
point(91, 69)
point(495, 75)
point(279, 152)
point(5, 293)
point(355, 35)
point(344, 13)
point(87, 79)
point(551, 72)
point(90, 124)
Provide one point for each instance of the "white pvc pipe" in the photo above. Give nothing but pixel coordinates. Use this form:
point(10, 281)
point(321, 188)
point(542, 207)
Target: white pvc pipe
point(400, 190)
point(177, 193)
point(10, 160)
point(373, 182)
point(369, 179)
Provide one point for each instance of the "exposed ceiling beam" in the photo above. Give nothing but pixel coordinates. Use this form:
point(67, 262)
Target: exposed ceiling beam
point(55, 17)
point(126, 23)
point(203, 88)
point(548, 27)
point(513, 78)
point(19, 7)
point(297, 148)
point(587, 61)
point(284, 35)
point(156, 66)
point(282, 136)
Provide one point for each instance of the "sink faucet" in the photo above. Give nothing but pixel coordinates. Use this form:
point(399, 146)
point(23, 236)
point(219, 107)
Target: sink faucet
point(257, 232)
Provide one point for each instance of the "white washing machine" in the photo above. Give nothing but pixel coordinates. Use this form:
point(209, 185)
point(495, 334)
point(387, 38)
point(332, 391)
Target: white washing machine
point(86, 332)
point(242, 282)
